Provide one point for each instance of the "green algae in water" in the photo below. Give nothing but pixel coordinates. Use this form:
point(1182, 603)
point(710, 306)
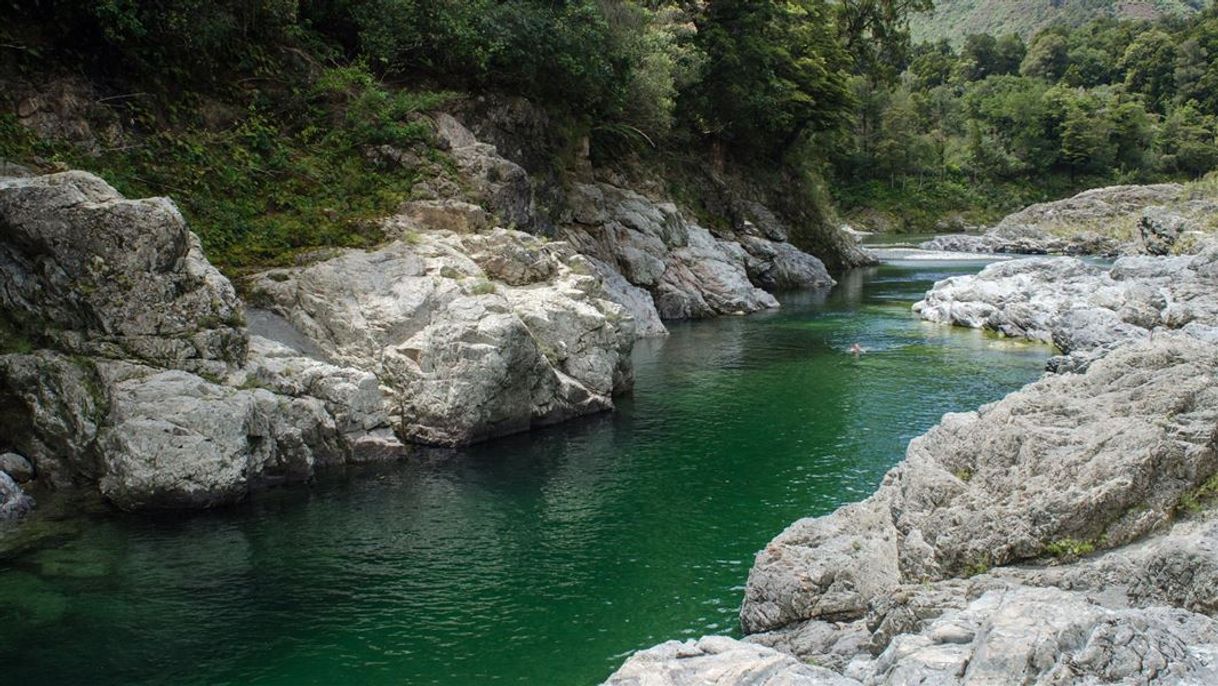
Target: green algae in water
point(536, 559)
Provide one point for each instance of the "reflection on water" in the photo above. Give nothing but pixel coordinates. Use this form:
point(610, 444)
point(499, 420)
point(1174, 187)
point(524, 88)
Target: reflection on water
point(540, 558)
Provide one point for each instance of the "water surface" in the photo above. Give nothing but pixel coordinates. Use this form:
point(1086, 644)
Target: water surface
point(540, 559)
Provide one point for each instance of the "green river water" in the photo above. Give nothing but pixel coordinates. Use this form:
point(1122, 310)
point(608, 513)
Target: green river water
point(539, 559)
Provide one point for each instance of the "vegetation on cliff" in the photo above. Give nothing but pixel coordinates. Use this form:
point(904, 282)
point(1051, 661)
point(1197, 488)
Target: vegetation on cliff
point(281, 125)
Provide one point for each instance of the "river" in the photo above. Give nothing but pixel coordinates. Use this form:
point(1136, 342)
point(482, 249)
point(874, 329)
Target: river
point(542, 558)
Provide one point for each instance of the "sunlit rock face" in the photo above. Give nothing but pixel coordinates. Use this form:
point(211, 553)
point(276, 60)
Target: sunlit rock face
point(134, 371)
point(472, 335)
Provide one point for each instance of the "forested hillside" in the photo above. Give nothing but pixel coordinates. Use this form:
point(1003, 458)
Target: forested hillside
point(999, 123)
point(955, 19)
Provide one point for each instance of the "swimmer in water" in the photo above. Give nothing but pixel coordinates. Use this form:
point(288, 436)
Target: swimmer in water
point(857, 350)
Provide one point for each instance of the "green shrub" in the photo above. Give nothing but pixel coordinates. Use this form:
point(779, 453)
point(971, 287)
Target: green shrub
point(482, 287)
point(1069, 548)
point(280, 181)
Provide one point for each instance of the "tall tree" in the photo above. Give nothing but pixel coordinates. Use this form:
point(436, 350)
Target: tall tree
point(775, 70)
point(1047, 57)
point(1150, 64)
point(876, 33)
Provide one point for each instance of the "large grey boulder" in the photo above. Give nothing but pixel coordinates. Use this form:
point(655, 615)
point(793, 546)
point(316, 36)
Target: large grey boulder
point(778, 265)
point(92, 272)
point(177, 440)
point(142, 383)
point(1103, 457)
point(473, 335)
point(688, 271)
point(706, 277)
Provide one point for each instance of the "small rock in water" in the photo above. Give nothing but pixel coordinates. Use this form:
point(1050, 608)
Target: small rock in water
point(13, 501)
point(17, 467)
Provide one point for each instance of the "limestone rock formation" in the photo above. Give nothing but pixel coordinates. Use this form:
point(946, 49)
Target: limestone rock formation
point(136, 375)
point(96, 274)
point(687, 271)
point(653, 261)
point(475, 335)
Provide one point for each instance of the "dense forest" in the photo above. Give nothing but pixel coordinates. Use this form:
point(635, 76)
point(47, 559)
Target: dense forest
point(258, 114)
point(955, 19)
point(998, 122)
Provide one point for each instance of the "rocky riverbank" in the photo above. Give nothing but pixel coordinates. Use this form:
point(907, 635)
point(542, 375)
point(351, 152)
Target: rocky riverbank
point(130, 365)
point(1060, 535)
point(1084, 310)
point(1160, 219)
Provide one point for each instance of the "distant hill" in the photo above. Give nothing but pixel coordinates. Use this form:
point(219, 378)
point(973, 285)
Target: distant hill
point(954, 19)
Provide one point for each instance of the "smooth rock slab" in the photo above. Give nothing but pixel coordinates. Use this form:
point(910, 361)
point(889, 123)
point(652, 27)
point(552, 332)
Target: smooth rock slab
point(720, 661)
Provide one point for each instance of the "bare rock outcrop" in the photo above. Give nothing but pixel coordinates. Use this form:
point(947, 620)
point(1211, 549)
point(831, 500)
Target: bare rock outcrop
point(719, 661)
point(653, 261)
point(1159, 219)
point(1131, 438)
point(686, 270)
point(90, 272)
point(473, 335)
point(1083, 309)
point(135, 373)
